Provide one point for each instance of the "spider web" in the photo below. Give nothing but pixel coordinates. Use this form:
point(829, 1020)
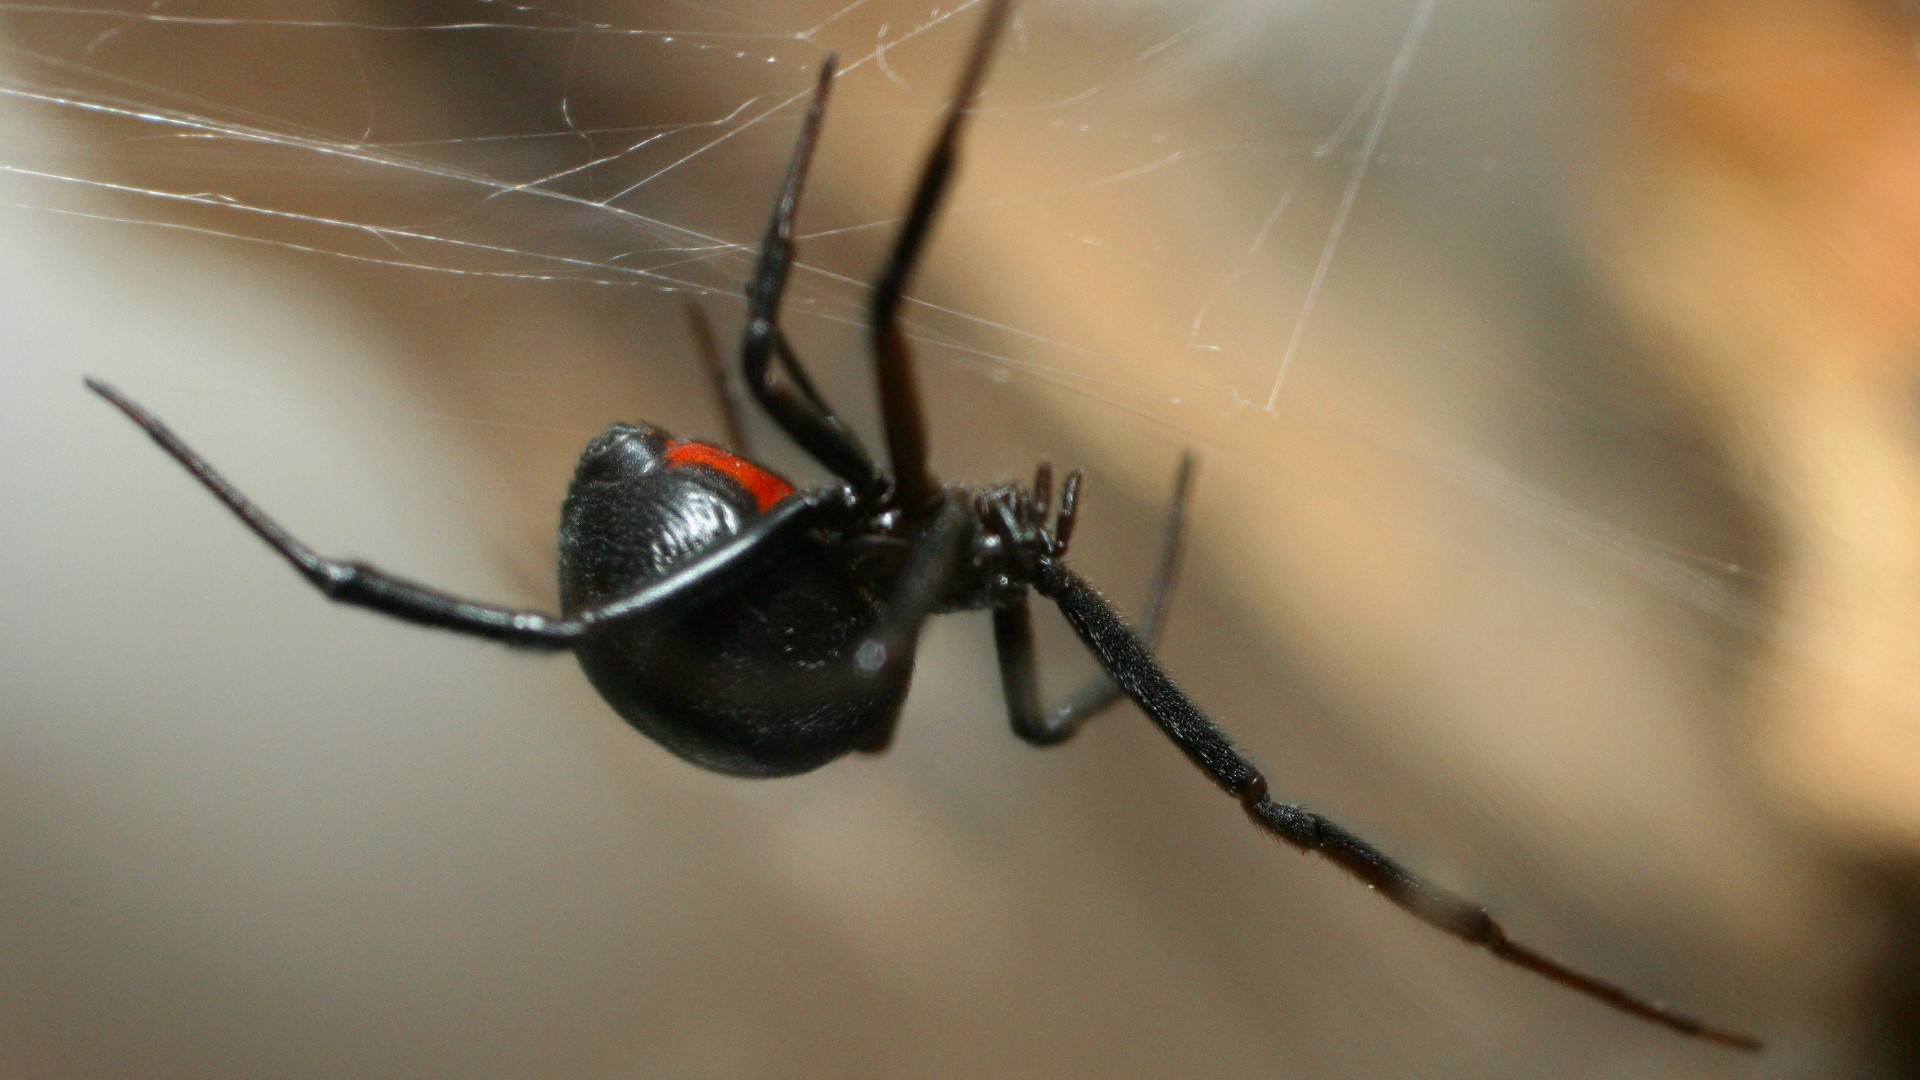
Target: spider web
point(1304, 162)
point(1259, 229)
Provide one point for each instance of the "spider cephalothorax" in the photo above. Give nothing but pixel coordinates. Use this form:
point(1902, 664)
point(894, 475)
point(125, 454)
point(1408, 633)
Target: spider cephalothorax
point(1013, 538)
point(761, 629)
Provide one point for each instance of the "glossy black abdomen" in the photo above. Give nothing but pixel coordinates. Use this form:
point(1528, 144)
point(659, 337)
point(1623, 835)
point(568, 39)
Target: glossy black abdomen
point(736, 683)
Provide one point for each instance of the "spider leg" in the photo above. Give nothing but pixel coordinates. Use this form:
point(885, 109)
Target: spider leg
point(796, 371)
point(1013, 638)
point(801, 412)
point(905, 423)
point(1020, 676)
point(937, 559)
point(733, 418)
point(369, 587)
point(732, 408)
point(1128, 660)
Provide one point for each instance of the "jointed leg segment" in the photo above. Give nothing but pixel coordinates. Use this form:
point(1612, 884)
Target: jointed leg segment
point(899, 395)
point(1013, 639)
point(1134, 668)
point(798, 409)
point(733, 412)
point(369, 587)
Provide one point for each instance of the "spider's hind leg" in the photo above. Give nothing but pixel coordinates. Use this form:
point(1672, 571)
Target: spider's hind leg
point(795, 405)
point(714, 570)
point(351, 582)
point(733, 411)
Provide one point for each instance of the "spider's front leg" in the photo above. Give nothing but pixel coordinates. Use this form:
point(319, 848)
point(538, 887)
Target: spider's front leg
point(1013, 640)
point(1132, 665)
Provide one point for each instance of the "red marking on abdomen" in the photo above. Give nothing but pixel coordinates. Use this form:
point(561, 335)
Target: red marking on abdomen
point(765, 487)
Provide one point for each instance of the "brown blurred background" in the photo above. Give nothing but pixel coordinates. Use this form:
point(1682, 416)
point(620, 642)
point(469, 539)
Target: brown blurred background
point(1558, 528)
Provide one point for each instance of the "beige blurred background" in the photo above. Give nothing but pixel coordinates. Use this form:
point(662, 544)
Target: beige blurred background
point(1551, 369)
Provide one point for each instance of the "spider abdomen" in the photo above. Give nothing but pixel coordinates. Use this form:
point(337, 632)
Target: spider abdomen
point(734, 683)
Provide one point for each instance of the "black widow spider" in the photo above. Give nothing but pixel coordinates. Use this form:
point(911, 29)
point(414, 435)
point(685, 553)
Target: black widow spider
point(759, 630)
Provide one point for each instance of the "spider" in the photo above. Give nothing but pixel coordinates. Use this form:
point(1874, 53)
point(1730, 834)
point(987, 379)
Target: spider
point(757, 629)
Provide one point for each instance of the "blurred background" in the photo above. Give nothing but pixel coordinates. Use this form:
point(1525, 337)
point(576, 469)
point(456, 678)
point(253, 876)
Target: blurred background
point(1558, 527)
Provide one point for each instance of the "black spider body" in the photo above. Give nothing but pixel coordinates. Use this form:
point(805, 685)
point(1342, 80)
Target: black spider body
point(758, 629)
point(733, 683)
